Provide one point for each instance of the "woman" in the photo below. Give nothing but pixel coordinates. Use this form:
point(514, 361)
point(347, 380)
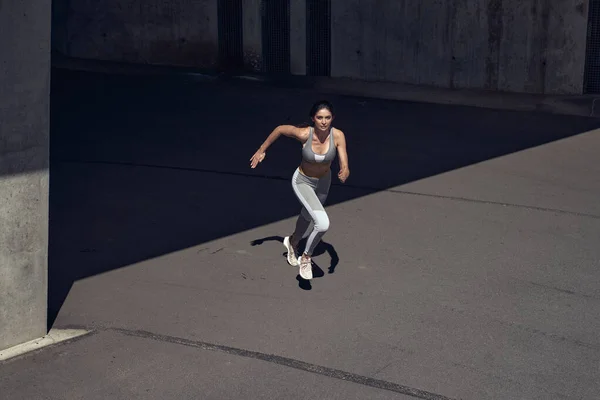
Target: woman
point(312, 179)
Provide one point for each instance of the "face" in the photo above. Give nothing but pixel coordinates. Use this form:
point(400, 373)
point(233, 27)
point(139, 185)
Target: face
point(322, 119)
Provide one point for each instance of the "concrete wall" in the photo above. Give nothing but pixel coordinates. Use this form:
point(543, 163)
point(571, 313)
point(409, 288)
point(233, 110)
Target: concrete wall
point(24, 119)
point(172, 32)
point(535, 46)
point(509, 45)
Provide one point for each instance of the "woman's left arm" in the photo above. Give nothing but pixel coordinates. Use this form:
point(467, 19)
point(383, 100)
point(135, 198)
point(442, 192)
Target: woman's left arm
point(340, 142)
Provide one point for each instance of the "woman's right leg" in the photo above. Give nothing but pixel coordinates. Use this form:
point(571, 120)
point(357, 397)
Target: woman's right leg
point(291, 242)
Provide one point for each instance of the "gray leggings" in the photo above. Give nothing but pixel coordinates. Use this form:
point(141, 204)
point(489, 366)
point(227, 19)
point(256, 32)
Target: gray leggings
point(312, 193)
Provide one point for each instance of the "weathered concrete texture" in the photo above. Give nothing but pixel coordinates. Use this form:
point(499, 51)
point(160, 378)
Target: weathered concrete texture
point(298, 37)
point(175, 32)
point(534, 46)
point(565, 54)
point(24, 119)
point(252, 39)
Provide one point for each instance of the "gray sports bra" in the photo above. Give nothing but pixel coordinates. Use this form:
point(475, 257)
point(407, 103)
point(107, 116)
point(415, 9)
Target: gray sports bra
point(310, 156)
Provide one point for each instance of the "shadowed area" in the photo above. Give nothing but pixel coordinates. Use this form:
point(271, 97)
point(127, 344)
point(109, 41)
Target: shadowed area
point(145, 166)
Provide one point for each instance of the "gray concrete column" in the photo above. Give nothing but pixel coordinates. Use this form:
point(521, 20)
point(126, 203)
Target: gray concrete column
point(24, 131)
point(252, 34)
point(346, 39)
point(298, 37)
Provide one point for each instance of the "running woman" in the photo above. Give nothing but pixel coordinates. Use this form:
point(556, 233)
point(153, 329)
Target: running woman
point(312, 179)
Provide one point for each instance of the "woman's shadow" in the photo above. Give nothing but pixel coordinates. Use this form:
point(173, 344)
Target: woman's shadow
point(322, 248)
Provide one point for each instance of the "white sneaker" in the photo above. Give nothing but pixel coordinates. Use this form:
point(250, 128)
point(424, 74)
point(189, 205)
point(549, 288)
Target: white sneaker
point(305, 268)
point(291, 254)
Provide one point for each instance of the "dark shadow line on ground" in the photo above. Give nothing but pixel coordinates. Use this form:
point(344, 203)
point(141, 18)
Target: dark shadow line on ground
point(367, 189)
point(288, 362)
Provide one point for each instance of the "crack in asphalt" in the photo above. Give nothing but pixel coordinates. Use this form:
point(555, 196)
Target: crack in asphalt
point(289, 362)
point(274, 359)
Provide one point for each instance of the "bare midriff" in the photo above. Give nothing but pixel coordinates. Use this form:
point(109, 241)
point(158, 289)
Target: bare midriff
point(314, 170)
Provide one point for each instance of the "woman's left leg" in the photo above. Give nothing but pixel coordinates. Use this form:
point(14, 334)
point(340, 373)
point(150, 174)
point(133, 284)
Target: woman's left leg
point(320, 221)
point(304, 222)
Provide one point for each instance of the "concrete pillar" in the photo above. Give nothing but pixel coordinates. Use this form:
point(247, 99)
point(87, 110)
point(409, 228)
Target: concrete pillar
point(298, 37)
point(564, 61)
point(252, 34)
point(347, 56)
point(24, 131)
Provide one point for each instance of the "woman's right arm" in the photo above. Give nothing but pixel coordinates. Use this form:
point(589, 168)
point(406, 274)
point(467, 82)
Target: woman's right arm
point(285, 130)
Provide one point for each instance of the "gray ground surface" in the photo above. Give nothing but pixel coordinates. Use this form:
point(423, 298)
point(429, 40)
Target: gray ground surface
point(462, 259)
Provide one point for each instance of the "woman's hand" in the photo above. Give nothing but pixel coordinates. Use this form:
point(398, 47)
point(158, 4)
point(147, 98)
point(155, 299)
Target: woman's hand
point(343, 174)
point(340, 141)
point(256, 158)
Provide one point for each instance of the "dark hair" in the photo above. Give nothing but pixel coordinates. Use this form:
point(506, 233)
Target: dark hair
point(318, 106)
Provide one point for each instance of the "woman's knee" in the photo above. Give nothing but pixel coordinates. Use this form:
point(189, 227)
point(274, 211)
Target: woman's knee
point(321, 222)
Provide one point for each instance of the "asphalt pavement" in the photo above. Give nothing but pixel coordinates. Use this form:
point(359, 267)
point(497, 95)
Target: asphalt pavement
point(461, 262)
